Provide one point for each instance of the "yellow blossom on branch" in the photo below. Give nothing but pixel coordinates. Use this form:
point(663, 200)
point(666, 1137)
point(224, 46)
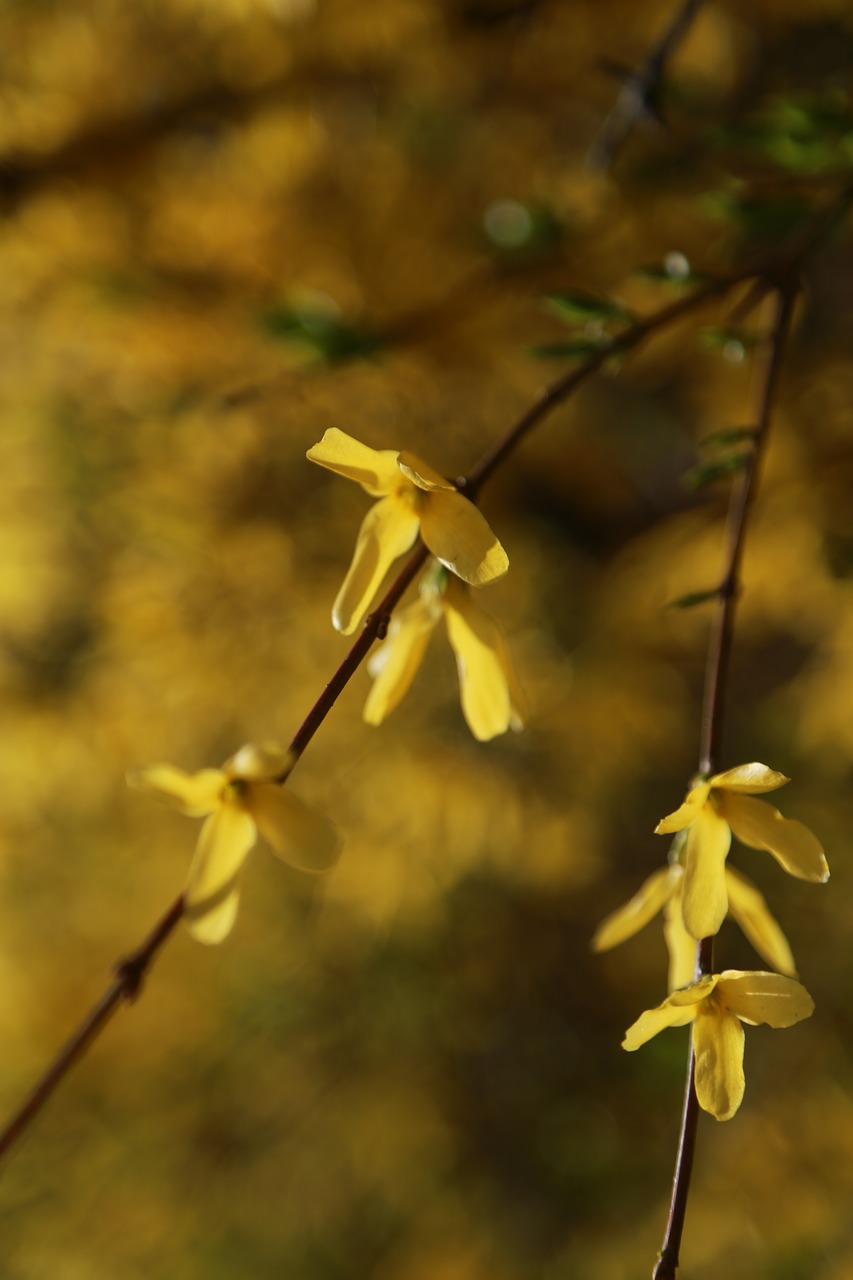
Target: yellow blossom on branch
point(491, 697)
point(663, 892)
point(240, 801)
point(412, 499)
point(723, 805)
point(717, 1005)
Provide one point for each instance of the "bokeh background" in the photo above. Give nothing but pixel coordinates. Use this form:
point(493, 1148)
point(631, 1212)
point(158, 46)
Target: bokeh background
point(226, 226)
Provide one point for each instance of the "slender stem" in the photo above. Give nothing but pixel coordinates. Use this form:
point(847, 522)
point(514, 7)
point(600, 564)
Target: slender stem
point(641, 89)
point(716, 681)
point(126, 986)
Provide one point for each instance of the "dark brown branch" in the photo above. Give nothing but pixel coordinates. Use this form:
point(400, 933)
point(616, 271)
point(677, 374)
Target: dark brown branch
point(640, 93)
point(716, 681)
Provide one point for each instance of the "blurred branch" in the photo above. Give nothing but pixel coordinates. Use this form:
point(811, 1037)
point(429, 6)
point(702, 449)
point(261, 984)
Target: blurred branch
point(716, 680)
point(639, 98)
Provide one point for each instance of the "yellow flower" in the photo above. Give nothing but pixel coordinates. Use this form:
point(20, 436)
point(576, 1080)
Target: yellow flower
point(413, 498)
point(663, 891)
point(240, 801)
point(717, 1005)
point(491, 698)
point(723, 805)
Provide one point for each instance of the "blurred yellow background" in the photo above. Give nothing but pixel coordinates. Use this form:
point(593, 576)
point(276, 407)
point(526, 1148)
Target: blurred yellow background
point(228, 225)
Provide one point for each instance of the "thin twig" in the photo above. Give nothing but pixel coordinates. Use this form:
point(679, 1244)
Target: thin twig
point(638, 98)
point(716, 683)
point(131, 972)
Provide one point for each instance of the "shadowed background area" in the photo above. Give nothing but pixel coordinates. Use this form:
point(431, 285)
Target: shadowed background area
point(226, 226)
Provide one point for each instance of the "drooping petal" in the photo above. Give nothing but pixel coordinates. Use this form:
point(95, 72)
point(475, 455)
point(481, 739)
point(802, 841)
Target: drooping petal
point(694, 803)
point(748, 907)
point(388, 530)
point(482, 662)
point(634, 915)
point(705, 901)
point(395, 664)
point(194, 794)
point(680, 945)
point(749, 779)
point(677, 1010)
point(764, 997)
point(213, 888)
point(259, 762)
point(757, 824)
point(459, 535)
point(421, 473)
point(718, 1045)
point(375, 470)
point(302, 837)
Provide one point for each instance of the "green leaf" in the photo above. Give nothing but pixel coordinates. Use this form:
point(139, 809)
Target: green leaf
point(726, 436)
point(709, 472)
point(578, 350)
point(326, 335)
point(692, 598)
point(576, 307)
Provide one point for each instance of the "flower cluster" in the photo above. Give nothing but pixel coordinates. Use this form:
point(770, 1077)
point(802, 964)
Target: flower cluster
point(695, 892)
point(246, 798)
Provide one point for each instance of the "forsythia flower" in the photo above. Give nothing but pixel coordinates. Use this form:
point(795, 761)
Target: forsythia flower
point(663, 891)
point(241, 801)
point(717, 1005)
point(491, 699)
point(413, 499)
point(723, 805)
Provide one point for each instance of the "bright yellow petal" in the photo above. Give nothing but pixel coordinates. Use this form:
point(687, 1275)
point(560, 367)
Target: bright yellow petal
point(259, 762)
point(388, 530)
point(375, 470)
point(757, 824)
point(482, 662)
point(302, 837)
point(213, 890)
point(718, 1045)
point(680, 945)
point(749, 779)
point(653, 1021)
point(395, 664)
point(634, 915)
point(194, 794)
point(459, 535)
point(748, 907)
point(688, 812)
point(421, 473)
point(705, 900)
point(764, 997)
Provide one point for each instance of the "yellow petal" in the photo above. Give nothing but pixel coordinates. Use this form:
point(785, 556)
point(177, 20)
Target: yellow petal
point(194, 794)
point(213, 889)
point(765, 997)
point(634, 915)
point(259, 762)
point(694, 803)
point(459, 535)
point(718, 1072)
point(757, 824)
point(676, 1011)
point(395, 664)
point(375, 470)
point(680, 945)
point(483, 665)
point(748, 907)
point(302, 837)
point(388, 530)
point(749, 778)
point(705, 900)
point(421, 473)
